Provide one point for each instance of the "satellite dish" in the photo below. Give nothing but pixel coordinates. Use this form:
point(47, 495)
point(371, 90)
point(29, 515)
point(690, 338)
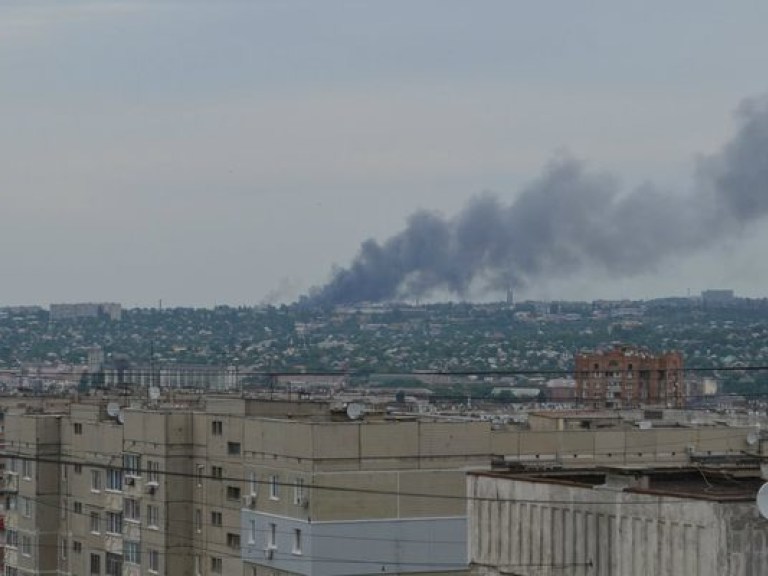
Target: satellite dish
point(762, 500)
point(154, 393)
point(113, 409)
point(752, 438)
point(121, 416)
point(355, 411)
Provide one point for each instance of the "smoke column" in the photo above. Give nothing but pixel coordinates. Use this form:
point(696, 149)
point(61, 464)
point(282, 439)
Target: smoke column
point(567, 219)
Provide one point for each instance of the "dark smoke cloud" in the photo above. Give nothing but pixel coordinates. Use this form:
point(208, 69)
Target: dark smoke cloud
point(569, 219)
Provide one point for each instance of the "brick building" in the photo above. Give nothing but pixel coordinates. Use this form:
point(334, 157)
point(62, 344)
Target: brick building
point(627, 376)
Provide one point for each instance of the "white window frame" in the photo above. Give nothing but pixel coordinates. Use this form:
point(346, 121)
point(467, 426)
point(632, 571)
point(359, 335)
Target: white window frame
point(132, 465)
point(132, 552)
point(297, 542)
point(131, 510)
point(272, 536)
point(95, 522)
point(299, 491)
point(153, 516)
point(96, 481)
point(153, 560)
point(253, 483)
point(274, 487)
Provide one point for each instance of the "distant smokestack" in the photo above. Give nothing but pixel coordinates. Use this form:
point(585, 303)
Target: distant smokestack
point(567, 219)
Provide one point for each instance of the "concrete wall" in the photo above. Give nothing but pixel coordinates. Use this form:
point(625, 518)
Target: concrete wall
point(616, 446)
point(543, 529)
point(361, 547)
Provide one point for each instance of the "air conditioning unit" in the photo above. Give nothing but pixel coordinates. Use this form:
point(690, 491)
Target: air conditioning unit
point(151, 489)
point(303, 502)
point(269, 553)
point(130, 480)
point(249, 501)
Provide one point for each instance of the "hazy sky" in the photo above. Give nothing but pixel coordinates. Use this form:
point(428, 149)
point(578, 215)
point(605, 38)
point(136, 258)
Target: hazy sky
point(221, 152)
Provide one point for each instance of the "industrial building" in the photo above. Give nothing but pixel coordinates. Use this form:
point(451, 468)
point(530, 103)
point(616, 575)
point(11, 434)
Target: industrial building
point(620, 521)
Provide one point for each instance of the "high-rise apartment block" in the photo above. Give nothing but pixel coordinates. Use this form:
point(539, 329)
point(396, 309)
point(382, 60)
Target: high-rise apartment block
point(236, 487)
point(222, 485)
point(626, 376)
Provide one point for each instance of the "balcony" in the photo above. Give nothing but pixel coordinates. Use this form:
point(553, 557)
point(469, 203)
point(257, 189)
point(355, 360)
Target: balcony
point(9, 483)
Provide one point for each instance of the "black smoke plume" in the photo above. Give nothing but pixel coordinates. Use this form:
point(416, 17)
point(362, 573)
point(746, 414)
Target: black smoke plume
point(569, 218)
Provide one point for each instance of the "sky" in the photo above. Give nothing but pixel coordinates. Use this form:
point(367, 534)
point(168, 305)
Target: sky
point(205, 153)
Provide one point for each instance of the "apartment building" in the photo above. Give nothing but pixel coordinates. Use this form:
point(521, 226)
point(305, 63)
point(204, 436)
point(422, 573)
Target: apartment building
point(627, 376)
point(232, 486)
point(236, 487)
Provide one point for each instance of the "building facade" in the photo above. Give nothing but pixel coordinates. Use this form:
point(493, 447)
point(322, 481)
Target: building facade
point(236, 487)
point(628, 521)
point(626, 376)
point(232, 486)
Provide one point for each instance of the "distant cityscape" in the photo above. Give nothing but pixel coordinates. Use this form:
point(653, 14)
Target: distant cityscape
point(449, 439)
point(521, 347)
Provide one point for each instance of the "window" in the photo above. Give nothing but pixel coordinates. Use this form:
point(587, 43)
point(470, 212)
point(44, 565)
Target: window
point(298, 492)
point(154, 561)
point(78, 468)
point(233, 493)
point(95, 480)
point(78, 507)
point(95, 564)
point(198, 565)
point(217, 427)
point(132, 509)
point(77, 546)
point(233, 448)
point(296, 541)
point(26, 469)
point(114, 479)
point(12, 538)
point(252, 532)
point(25, 505)
point(233, 540)
point(253, 482)
point(132, 552)
point(274, 488)
point(114, 565)
point(26, 545)
point(199, 520)
point(200, 474)
point(63, 546)
point(272, 536)
point(217, 472)
point(153, 516)
point(11, 571)
point(215, 518)
point(216, 565)
point(132, 465)
point(114, 523)
point(77, 428)
point(95, 524)
point(153, 471)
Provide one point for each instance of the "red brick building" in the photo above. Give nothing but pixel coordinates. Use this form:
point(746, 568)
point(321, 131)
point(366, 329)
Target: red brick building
point(626, 376)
